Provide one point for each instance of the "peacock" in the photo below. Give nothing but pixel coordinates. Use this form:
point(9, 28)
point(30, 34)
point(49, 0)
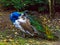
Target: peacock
point(28, 24)
point(21, 21)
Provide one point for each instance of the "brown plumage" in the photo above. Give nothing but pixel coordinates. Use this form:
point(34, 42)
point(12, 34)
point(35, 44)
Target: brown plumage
point(27, 26)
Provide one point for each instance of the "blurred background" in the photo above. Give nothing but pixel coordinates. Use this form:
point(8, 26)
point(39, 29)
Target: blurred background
point(46, 12)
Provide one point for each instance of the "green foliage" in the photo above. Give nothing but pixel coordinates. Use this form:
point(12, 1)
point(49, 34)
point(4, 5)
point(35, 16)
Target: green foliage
point(41, 1)
point(37, 25)
point(5, 2)
point(18, 4)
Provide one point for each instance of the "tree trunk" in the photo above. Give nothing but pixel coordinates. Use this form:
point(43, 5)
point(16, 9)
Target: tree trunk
point(51, 9)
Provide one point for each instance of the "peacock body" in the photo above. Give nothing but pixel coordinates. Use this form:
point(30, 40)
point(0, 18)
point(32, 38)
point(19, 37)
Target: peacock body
point(22, 22)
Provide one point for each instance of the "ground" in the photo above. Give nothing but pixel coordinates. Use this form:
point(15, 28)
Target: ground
point(9, 35)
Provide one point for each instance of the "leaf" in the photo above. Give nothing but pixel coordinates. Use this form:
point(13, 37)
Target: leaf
point(57, 27)
point(16, 33)
point(5, 40)
point(11, 40)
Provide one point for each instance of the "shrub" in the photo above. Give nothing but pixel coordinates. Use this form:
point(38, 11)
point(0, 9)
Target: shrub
point(19, 4)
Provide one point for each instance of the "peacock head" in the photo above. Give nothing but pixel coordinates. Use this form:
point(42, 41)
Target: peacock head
point(14, 16)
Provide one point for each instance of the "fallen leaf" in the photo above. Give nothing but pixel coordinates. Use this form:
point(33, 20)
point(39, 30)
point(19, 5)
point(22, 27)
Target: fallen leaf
point(5, 40)
point(16, 33)
point(10, 39)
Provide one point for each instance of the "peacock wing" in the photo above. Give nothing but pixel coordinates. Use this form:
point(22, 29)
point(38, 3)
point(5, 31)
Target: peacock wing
point(27, 26)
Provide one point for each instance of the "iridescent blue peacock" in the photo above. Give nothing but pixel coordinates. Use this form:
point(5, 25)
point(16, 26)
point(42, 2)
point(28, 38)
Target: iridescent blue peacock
point(29, 25)
point(21, 21)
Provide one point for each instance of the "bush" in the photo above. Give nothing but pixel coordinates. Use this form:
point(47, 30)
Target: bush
point(19, 4)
